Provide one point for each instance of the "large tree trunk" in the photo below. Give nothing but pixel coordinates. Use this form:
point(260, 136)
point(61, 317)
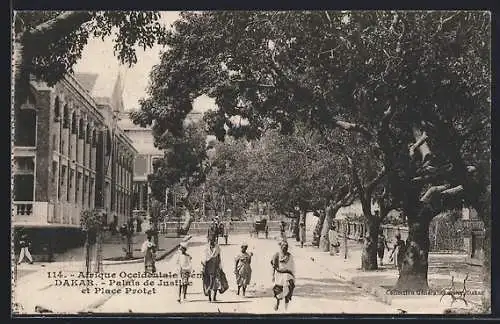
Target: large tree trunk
point(413, 274)
point(369, 254)
point(318, 228)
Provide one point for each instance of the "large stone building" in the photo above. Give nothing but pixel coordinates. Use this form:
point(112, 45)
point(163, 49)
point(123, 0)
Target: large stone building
point(69, 155)
point(143, 141)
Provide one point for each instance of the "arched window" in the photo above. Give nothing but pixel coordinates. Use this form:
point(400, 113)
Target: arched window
point(57, 110)
point(81, 129)
point(89, 134)
point(74, 125)
point(65, 116)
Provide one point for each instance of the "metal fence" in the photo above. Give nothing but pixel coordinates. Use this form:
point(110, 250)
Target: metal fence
point(202, 227)
point(444, 235)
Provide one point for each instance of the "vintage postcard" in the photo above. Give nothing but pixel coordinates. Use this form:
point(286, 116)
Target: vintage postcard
point(251, 162)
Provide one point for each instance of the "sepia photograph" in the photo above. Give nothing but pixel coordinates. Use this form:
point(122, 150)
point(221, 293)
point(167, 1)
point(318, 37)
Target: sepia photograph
point(250, 163)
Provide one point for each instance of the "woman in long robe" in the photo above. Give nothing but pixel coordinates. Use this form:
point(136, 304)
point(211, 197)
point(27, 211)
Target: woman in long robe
point(397, 252)
point(211, 263)
point(243, 270)
point(283, 275)
point(149, 250)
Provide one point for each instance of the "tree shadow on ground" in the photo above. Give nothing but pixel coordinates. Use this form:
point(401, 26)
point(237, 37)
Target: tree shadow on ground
point(315, 288)
point(231, 301)
point(327, 288)
point(195, 244)
point(386, 282)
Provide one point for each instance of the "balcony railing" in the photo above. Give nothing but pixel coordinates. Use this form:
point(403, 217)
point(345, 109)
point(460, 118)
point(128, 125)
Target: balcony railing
point(23, 208)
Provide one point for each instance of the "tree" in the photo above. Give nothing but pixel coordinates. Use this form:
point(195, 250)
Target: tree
point(225, 186)
point(91, 222)
point(184, 162)
point(345, 196)
point(414, 84)
point(47, 44)
point(368, 172)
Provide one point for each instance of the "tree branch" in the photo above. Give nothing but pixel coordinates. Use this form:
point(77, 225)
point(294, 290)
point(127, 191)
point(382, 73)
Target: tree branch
point(420, 141)
point(57, 27)
point(371, 186)
point(353, 128)
point(453, 191)
point(433, 173)
point(348, 199)
point(432, 192)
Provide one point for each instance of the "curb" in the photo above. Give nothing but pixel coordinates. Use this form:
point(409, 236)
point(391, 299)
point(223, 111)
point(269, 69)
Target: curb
point(158, 258)
point(377, 291)
point(473, 262)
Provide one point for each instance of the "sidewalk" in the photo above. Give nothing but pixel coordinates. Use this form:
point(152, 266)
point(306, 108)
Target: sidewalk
point(34, 280)
point(441, 268)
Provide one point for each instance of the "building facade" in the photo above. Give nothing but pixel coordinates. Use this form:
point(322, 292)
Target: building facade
point(69, 155)
point(143, 141)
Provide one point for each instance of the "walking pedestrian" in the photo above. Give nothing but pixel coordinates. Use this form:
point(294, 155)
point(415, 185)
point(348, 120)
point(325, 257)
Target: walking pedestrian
point(242, 269)
point(138, 225)
point(149, 250)
point(113, 225)
point(221, 229)
point(302, 231)
point(213, 230)
point(226, 231)
point(397, 252)
point(283, 275)
point(282, 230)
point(381, 246)
point(333, 238)
point(184, 264)
point(25, 245)
point(211, 264)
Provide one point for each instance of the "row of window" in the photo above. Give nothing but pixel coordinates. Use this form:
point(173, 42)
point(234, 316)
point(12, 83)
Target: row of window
point(85, 132)
point(83, 192)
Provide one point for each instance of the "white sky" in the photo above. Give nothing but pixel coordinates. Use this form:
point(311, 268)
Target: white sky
point(98, 57)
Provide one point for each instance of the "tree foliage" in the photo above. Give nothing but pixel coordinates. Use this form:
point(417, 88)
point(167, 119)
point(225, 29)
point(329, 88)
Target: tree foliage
point(414, 84)
point(184, 164)
point(283, 171)
point(49, 43)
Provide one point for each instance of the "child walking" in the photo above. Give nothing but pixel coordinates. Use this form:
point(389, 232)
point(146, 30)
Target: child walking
point(185, 267)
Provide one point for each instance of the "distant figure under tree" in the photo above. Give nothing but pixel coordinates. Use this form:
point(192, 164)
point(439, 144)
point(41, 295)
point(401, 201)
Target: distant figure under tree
point(149, 250)
point(397, 252)
point(381, 246)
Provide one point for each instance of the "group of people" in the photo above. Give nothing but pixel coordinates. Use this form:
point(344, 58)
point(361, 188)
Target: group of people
point(133, 225)
point(218, 229)
point(397, 250)
point(214, 278)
